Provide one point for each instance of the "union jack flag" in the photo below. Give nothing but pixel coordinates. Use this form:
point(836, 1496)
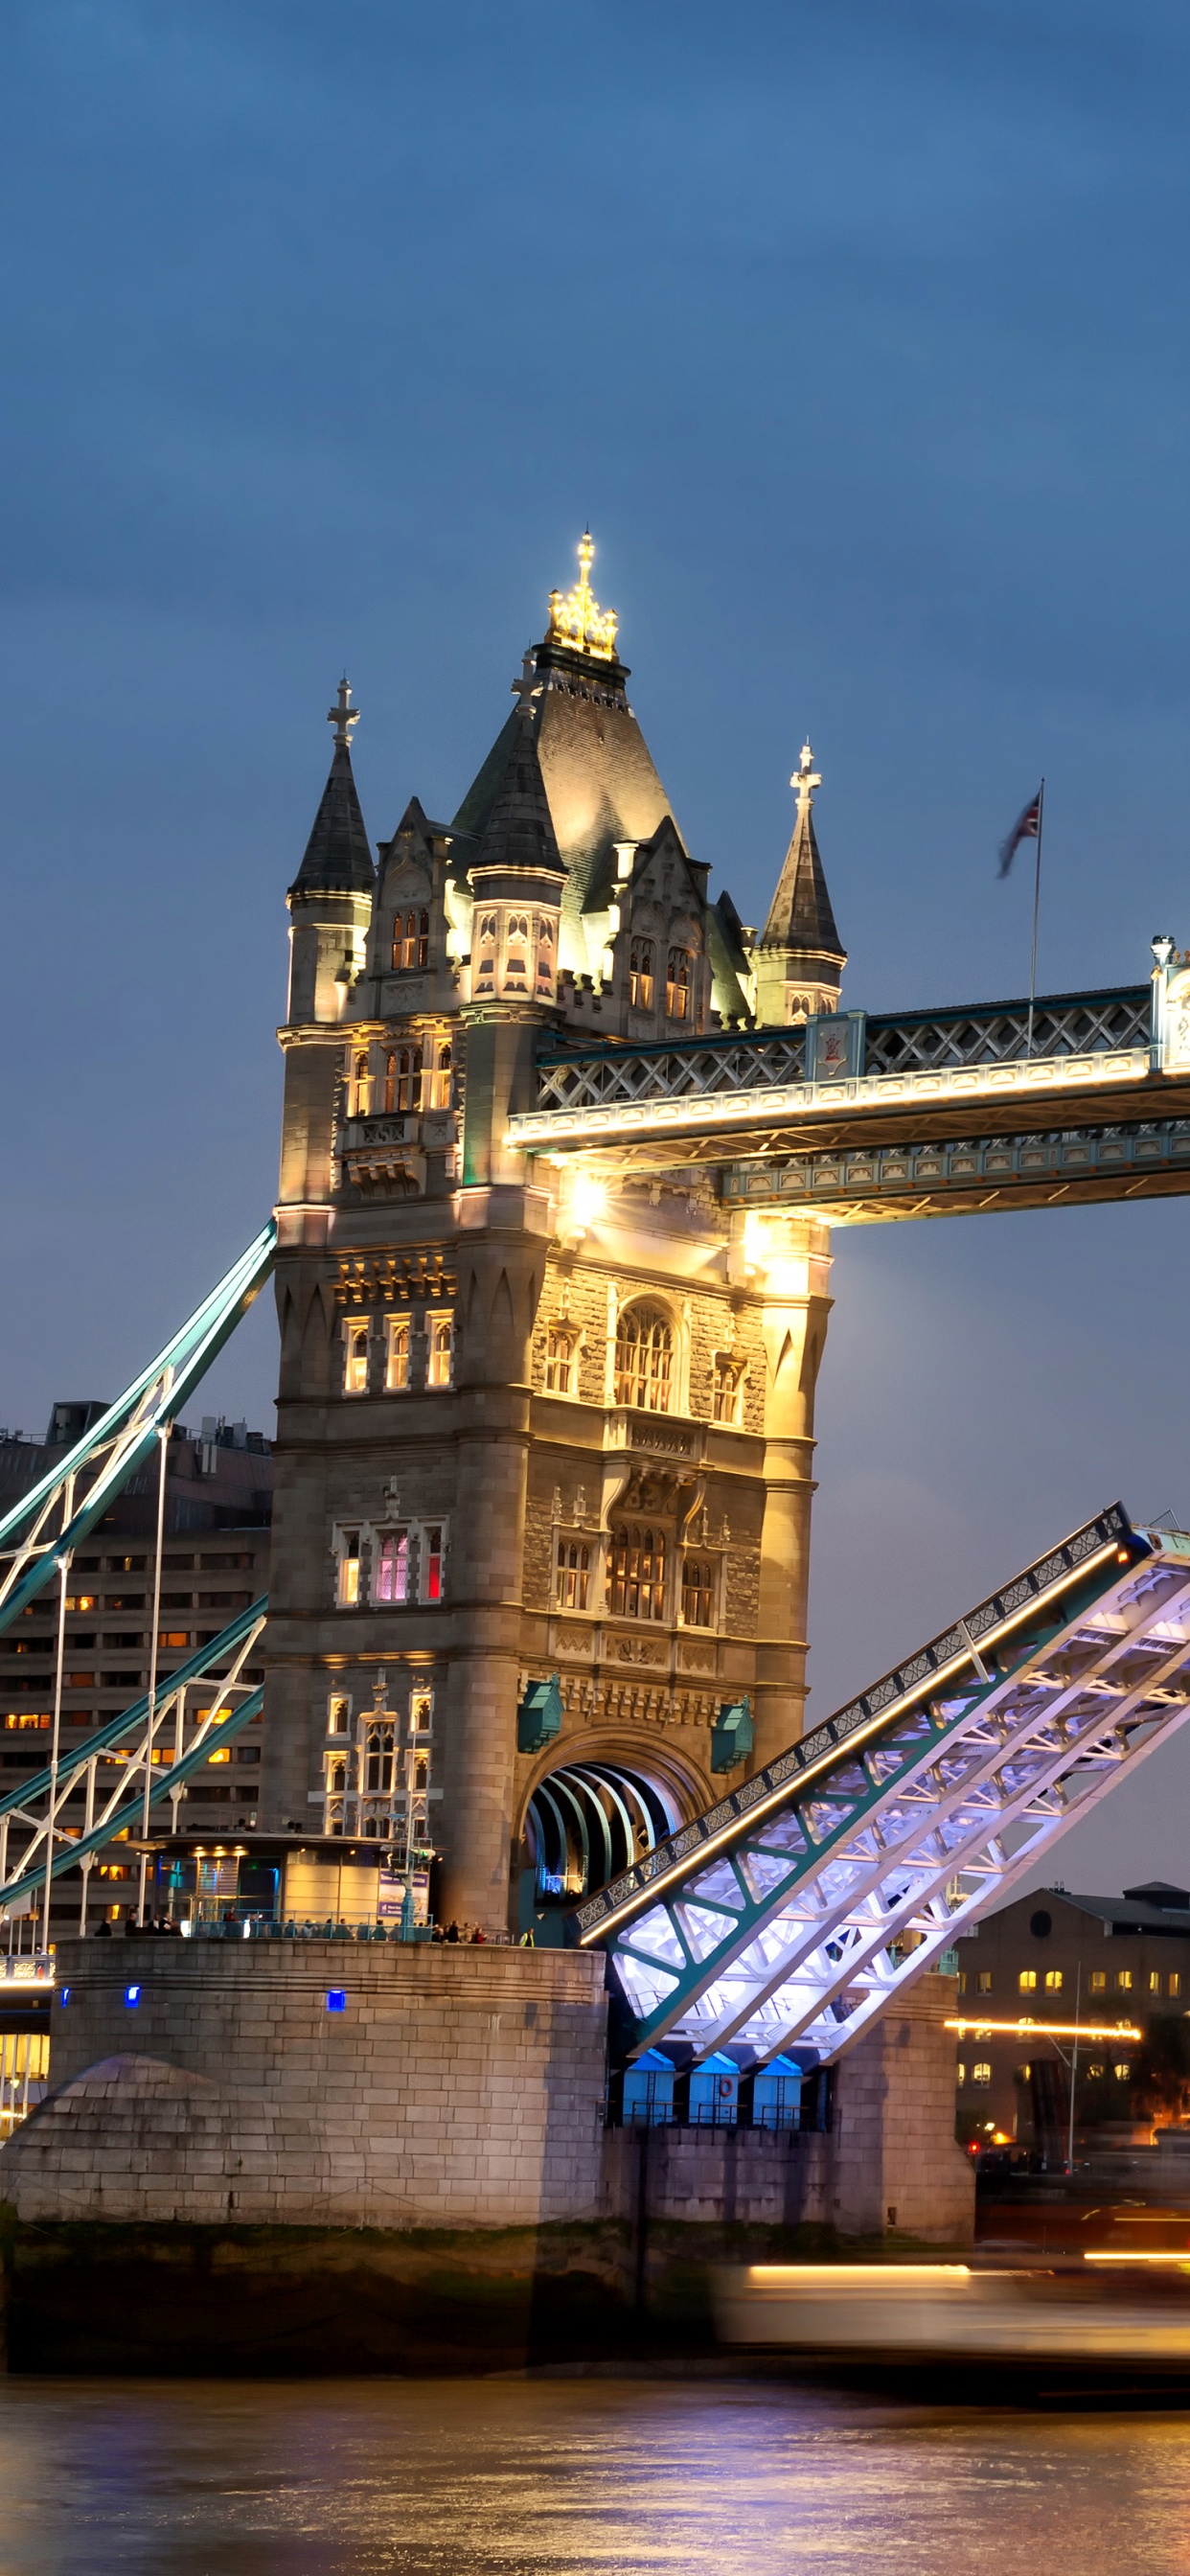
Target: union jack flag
point(1027, 827)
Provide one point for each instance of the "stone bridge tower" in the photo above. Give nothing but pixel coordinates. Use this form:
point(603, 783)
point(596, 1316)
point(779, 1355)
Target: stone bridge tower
point(532, 1423)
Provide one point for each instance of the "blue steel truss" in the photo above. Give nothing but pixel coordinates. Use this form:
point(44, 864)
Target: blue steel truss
point(798, 1906)
point(49, 1521)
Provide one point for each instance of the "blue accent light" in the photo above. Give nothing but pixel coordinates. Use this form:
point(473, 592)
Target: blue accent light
point(65, 1996)
point(337, 1999)
point(132, 1997)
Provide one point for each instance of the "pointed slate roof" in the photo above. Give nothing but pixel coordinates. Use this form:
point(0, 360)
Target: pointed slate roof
point(800, 915)
point(519, 828)
point(338, 859)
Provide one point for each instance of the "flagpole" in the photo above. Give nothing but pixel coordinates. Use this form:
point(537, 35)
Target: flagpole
point(1036, 909)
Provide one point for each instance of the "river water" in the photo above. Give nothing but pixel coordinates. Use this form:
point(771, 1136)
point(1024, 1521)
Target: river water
point(591, 2477)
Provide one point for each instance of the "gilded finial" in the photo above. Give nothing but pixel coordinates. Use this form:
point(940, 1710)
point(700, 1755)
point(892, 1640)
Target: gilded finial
point(343, 716)
point(577, 620)
point(804, 780)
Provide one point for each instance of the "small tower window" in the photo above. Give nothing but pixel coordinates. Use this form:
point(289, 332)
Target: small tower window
point(377, 1763)
point(573, 1574)
point(640, 975)
point(545, 958)
point(638, 1573)
point(485, 976)
point(390, 1082)
point(347, 1585)
point(644, 1360)
point(441, 1353)
point(561, 1345)
point(728, 1387)
point(421, 1712)
point(407, 1079)
point(411, 940)
point(390, 1575)
point(516, 953)
point(339, 1717)
point(677, 985)
point(355, 1365)
point(431, 1562)
point(360, 1086)
point(396, 1358)
point(698, 1592)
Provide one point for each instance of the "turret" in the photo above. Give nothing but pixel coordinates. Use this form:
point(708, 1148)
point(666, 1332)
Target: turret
point(799, 957)
point(330, 900)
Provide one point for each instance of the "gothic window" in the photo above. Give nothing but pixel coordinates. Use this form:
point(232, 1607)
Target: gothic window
point(419, 1774)
point(390, 1082)
point(431, 1561)
point(698, 1592)
point(640, 975)
point(390, 1567)
point(485, 978)
point(545, 958)
point(347, 1576)
point(407, 1079)
point(677, 985)
point(338, 1716)
point(421, 1712)
point(644, 1359)
point(440, 1079)
point(638, 1573)
point(440, 1330)
point(573, 1574)
point(411, 940)
point(360, 1086)
point(728, 1387)
point(355, 1365)
point(336, 1788)
point(561, 1346)
point(516, 953)
point(377, 1764)
point(396, 1358)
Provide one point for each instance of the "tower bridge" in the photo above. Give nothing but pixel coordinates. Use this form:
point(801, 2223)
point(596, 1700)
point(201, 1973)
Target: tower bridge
point(563, 1144)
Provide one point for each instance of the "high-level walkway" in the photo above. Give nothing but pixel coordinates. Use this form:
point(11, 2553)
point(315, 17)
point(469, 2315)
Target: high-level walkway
point(800, 1905)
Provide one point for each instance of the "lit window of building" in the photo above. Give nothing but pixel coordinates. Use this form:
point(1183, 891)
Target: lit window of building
point(677, 985)
point(1154, 1981)
point(485, 966)
point(698, 1592)
point(638, 1573)
point(960, 2073)
point(641, 975)
point(396, 1356)
point(545, 959)
point(1053, 1981)
point(338, 1716)
point(441, 1078)
point(390, 1566)
point(981, 2072)
point(403, 1080)
point(727, 1387)
point(644, 1359)
point(1098, 1981)
point(360, 1088)
point(347, 1585)
point(1122, 2070)
point(1175, 1983)
point(1097, 2072)
point(983, 1982)
point(516, 953)
point(440, 1329)
point(355, 1363)
point(432, 1551)
point(560, 1347)
point(573, 1574)
point(421, 1712)
point(1027, 1981)
point(411, 940)
point(1124, 1981)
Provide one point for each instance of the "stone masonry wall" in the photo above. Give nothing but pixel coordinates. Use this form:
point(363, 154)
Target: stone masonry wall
point(459, 2087)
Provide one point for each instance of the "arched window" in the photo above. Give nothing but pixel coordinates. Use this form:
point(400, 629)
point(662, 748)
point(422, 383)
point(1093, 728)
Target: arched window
point(440, 1330)
point(638, 1573)
point(545, 957)
point(406, 1064)
point(355, 1364)
point(390, 1082)
point(485, 973)
point(440, 1079)
point(561, 1345)
point(573, 1574)
point(396, 1367)
point(411, 940)
point(728, 1387)
point(677, 985)
point(360, 1087)
point(644, 1359)
point(640, 975)
point(378, 1762)
point(698, 1592)
point(390, 1579)
point(347, 1583)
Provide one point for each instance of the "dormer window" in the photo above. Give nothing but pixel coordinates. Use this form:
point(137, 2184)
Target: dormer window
point(644, 1359)
point(677, 985)
point(360, 1086)
point(411, 940)
point(641, 975)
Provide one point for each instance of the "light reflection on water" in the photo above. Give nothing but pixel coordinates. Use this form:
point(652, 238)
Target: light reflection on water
point(573, 2478)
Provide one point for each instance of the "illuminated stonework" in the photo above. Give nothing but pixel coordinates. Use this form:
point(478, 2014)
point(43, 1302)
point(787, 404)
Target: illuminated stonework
point(577, 620)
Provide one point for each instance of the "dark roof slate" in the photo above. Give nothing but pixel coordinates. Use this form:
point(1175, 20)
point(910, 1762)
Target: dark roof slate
point(800, 914)
point(338, 858)
point(519, 829)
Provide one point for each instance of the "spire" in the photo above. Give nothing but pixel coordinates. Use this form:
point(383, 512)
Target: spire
point(800, 916)
point(519, 832)
point(338, 859)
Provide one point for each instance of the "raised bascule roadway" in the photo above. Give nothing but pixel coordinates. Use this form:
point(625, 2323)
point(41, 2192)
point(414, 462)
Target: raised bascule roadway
point(797, 1908)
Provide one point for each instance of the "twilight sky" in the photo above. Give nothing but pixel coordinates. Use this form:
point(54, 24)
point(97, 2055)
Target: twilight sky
point(858, 329)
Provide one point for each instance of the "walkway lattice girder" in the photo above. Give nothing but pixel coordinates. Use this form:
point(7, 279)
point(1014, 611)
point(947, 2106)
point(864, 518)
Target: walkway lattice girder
point(891, 1820)
point(123, 1437)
